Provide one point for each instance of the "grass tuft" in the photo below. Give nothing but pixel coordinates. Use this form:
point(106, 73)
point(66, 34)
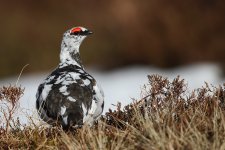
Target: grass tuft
point(167, 117)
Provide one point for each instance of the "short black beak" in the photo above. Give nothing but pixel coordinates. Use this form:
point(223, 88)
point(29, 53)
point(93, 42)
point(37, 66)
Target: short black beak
point(88, 32)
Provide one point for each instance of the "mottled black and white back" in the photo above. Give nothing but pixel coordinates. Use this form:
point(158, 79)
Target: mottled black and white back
point(69, 95)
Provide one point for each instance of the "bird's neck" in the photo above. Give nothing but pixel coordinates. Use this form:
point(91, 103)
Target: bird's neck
point(70, 55)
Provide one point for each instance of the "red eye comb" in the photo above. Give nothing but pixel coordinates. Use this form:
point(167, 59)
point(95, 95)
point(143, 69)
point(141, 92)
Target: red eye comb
point(75, 30)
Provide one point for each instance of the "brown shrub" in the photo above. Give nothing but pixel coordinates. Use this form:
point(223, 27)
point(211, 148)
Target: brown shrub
point(167, 117)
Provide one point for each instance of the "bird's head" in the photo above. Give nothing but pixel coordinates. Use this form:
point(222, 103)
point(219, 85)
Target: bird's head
point(71, 42)
point(79, 31)
point(75, 36)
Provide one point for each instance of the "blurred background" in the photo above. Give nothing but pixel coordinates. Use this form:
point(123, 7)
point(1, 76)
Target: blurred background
point(163, 34)
point(131, 40)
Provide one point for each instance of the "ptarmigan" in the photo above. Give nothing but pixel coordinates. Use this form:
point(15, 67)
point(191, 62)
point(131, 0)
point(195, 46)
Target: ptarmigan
point(69, 95)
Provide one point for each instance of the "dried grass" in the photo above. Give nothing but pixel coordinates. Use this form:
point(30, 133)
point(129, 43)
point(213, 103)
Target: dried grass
point(167, 117)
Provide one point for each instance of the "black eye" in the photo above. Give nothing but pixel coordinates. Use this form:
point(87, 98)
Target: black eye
point(75, 33)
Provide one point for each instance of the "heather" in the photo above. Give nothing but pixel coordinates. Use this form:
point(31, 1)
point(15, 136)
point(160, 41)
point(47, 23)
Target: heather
point(168, 116)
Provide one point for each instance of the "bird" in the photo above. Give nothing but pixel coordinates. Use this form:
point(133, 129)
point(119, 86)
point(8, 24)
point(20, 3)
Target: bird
point(70, 96)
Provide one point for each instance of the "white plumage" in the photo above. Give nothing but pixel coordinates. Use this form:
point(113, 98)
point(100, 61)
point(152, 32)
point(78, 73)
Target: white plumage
point(69, 95)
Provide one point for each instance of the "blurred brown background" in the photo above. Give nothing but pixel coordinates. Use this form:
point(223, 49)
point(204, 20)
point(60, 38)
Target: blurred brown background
point(126, 32)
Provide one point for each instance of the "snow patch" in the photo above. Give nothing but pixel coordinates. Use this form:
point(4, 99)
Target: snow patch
point(119, 85)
